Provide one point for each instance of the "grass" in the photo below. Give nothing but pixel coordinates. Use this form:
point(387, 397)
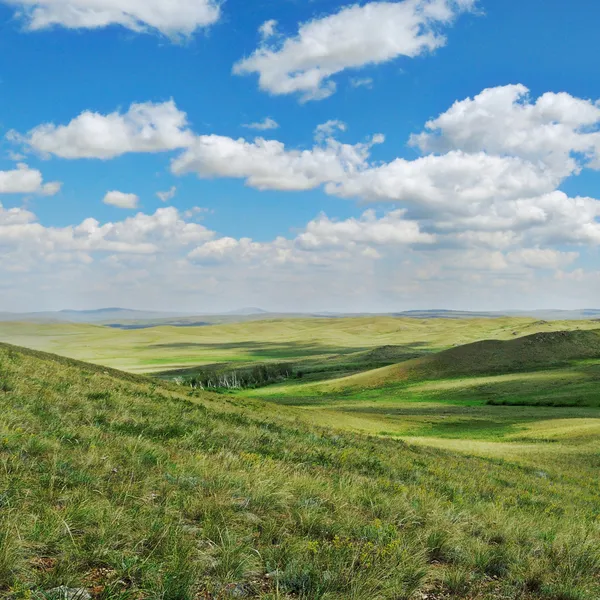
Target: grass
point(409, 460)
point(491, 398)
point(135, 488)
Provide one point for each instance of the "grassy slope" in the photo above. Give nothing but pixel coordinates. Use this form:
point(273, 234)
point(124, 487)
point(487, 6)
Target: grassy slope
point(488, 357)
point(133, 489)
point(292, 339)
point(443, 400)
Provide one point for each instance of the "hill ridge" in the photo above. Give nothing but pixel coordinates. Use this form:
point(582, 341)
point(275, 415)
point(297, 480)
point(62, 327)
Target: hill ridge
point(484, 357)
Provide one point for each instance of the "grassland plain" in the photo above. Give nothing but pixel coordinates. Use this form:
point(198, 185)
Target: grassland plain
point(135, 488)
point(327, 342)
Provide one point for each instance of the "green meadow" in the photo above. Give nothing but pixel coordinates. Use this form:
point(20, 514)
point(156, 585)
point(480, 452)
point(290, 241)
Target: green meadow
point(400, 459)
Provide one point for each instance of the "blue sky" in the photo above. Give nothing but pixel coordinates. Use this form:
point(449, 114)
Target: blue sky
point(55, 66)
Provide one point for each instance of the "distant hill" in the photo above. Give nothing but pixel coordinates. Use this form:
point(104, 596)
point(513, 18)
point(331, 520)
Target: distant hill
point(545, 314)
point(488, 357)
point(100, 315)
point(132, 319)
point(246, 311)
point(448, 314)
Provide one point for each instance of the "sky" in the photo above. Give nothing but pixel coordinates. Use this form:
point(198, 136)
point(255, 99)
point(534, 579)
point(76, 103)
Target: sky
point(202, 156)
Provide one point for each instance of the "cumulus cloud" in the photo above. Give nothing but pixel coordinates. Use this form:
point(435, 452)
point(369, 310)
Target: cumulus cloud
point(480, 199)
point(389, 230)
point(374, 33)
point(143, 128)
point(496, 194)
point(168, 195)
point(227, 249)
point(269, 165)
point(21, 233)
point(121, 200)
point(323, 242)
point(169, 232)
point(456, 182)
point(268, 123)
point(24, 180)
point(558, 130)
point(542, 258)
point(173, 18)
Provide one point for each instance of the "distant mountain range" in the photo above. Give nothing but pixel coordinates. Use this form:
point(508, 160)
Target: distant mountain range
point(100, 315)
point(248, 311)
point(130, 319)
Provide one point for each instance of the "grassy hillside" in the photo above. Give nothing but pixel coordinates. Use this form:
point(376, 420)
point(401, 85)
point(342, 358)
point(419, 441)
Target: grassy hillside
point(490, 398)
point(488, 357)
point(132, 488)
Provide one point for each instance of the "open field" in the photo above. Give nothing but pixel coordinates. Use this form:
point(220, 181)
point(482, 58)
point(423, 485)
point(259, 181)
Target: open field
point(328, 342)
point(135, 488)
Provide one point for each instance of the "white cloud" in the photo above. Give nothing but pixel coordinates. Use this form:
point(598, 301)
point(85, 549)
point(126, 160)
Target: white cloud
point(389, 230)
point(467, 198)
point(268, 29)
point(267, 164)
point(164, 231)
point(121, 200)
point(329, 128)
point(168, 232)
point(143, 128)
point(228, 249)
point(487, 239)
point(374, 33)
point(550, 219)
point(168, 195)
point(456, 182)
point(324, 242)
point(24, 180)
point(171, 17)
point(505, 121)
point(542, 258)
point(268, 123)
point(15, 216)
point(361, 82)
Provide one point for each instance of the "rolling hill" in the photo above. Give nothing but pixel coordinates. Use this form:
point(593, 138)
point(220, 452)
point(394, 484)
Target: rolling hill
point(542, 350)
point(128, 487)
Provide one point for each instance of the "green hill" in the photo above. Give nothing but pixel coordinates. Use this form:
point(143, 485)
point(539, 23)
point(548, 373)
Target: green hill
point(540, 350)
point(489, 357)
point(132, 488)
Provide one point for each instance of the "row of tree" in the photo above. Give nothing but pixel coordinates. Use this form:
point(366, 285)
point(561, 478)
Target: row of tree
point(236, 379)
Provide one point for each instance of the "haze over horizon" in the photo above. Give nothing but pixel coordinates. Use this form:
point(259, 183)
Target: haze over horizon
point(198, 156)
point(121, 314)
